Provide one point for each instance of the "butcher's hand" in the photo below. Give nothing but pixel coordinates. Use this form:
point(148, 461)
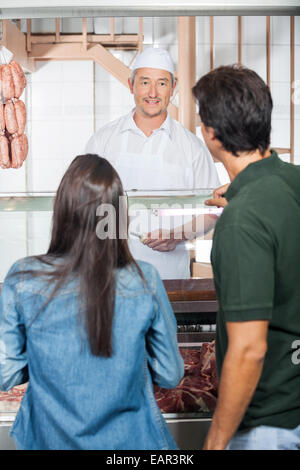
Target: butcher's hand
point(162, 240)
point(218, 198)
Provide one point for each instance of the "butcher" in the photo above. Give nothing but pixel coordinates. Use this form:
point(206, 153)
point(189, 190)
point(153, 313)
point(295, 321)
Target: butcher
point(152, 151)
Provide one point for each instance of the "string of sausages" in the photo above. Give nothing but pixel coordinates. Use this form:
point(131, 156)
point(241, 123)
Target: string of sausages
point(13, 141)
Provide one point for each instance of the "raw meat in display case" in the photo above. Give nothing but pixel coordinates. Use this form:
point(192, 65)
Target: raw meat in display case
point(11, 400)
point(198, 390)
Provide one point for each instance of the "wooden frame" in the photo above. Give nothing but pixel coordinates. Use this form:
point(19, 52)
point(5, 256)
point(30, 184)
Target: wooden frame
point(29, 48)
point(279, 150)
point(187, 71)
point(84, 46)
point(16, 41)
point(192, 295)
point(268, 50)
point(118, 41)
point(211, 42)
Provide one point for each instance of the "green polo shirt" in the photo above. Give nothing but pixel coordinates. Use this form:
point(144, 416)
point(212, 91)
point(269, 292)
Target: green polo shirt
point(256, 264)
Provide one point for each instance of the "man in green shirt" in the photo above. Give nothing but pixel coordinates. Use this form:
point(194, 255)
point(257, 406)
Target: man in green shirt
point(256, 264)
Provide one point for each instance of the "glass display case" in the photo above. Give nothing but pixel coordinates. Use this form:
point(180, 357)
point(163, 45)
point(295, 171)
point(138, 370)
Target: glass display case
point(25, 230)
point(26, 218)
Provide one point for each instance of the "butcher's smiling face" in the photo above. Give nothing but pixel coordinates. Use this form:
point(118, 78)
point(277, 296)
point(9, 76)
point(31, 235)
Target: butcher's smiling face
point(152, 89)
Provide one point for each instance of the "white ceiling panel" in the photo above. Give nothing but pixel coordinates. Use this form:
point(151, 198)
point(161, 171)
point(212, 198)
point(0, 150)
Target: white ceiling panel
point(98, 8)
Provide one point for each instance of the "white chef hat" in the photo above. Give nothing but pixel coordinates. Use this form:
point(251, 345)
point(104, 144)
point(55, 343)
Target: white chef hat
point(154, 58)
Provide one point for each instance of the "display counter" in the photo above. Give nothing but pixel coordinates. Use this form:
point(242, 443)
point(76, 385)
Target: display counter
point(194, 304)
point(26, 219)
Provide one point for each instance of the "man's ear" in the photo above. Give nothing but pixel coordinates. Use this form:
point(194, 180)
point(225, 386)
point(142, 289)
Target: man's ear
point(130, 86)
point(209, 132)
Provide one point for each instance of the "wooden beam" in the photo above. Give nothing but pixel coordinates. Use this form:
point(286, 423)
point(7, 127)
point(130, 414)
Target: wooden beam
point(280, 150)
point(187, 71)
point(119, 39)
point(141, 34)
point(15, 41)
point(268, 52)
point(173, 111)
point(84, 34)
point(57, 30)
point(211, 40)
point(95, 52)
point(28, 37)
point(112, 29)
point(240, 40)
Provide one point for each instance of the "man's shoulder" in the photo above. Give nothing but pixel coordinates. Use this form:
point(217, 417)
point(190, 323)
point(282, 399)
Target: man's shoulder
point(112, 126)
point(98, 141)
point(256, 201)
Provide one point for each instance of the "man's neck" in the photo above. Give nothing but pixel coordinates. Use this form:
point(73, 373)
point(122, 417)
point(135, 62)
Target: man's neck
point(148, 124)
point(234, 165)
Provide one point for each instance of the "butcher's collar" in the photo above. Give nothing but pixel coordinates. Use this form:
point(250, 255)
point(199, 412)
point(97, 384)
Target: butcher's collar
point(130, 125)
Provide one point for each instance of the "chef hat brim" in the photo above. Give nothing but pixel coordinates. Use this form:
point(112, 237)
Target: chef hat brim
point(154, 58)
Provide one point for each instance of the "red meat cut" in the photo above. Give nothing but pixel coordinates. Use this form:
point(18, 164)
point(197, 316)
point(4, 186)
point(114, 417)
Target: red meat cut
point(198, 389)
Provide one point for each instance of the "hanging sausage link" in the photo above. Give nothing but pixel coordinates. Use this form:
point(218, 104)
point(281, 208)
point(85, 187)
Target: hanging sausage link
point(13, 141)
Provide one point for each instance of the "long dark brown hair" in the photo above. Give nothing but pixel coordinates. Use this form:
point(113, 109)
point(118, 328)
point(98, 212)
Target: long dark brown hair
point(89, 182)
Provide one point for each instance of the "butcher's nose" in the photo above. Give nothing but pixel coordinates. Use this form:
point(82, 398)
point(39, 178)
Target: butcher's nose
point(152, 91)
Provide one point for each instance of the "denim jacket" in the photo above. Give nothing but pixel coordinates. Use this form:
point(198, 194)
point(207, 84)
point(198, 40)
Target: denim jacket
point(75, 400)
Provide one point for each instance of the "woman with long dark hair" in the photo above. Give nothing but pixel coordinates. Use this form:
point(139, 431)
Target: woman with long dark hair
point(88, 327)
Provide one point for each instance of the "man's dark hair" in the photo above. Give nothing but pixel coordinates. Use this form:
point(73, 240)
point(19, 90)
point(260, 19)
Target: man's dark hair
point(237, 104)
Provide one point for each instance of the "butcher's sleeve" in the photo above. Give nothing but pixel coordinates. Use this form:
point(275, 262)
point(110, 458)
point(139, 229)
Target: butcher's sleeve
point(91, 145)
point(164, 359)
point(96, 143)
point(13, 358)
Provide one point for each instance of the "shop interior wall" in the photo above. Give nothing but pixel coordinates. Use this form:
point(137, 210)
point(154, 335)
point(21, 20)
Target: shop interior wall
point(68, 100)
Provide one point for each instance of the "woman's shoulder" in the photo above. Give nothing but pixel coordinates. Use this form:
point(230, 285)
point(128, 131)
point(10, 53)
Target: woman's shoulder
point(147, 268)
point(23, 265)
point(139, 279)
point(24, 273)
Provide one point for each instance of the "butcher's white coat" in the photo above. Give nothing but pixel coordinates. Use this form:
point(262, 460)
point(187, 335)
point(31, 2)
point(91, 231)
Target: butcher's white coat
point(170, 158)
